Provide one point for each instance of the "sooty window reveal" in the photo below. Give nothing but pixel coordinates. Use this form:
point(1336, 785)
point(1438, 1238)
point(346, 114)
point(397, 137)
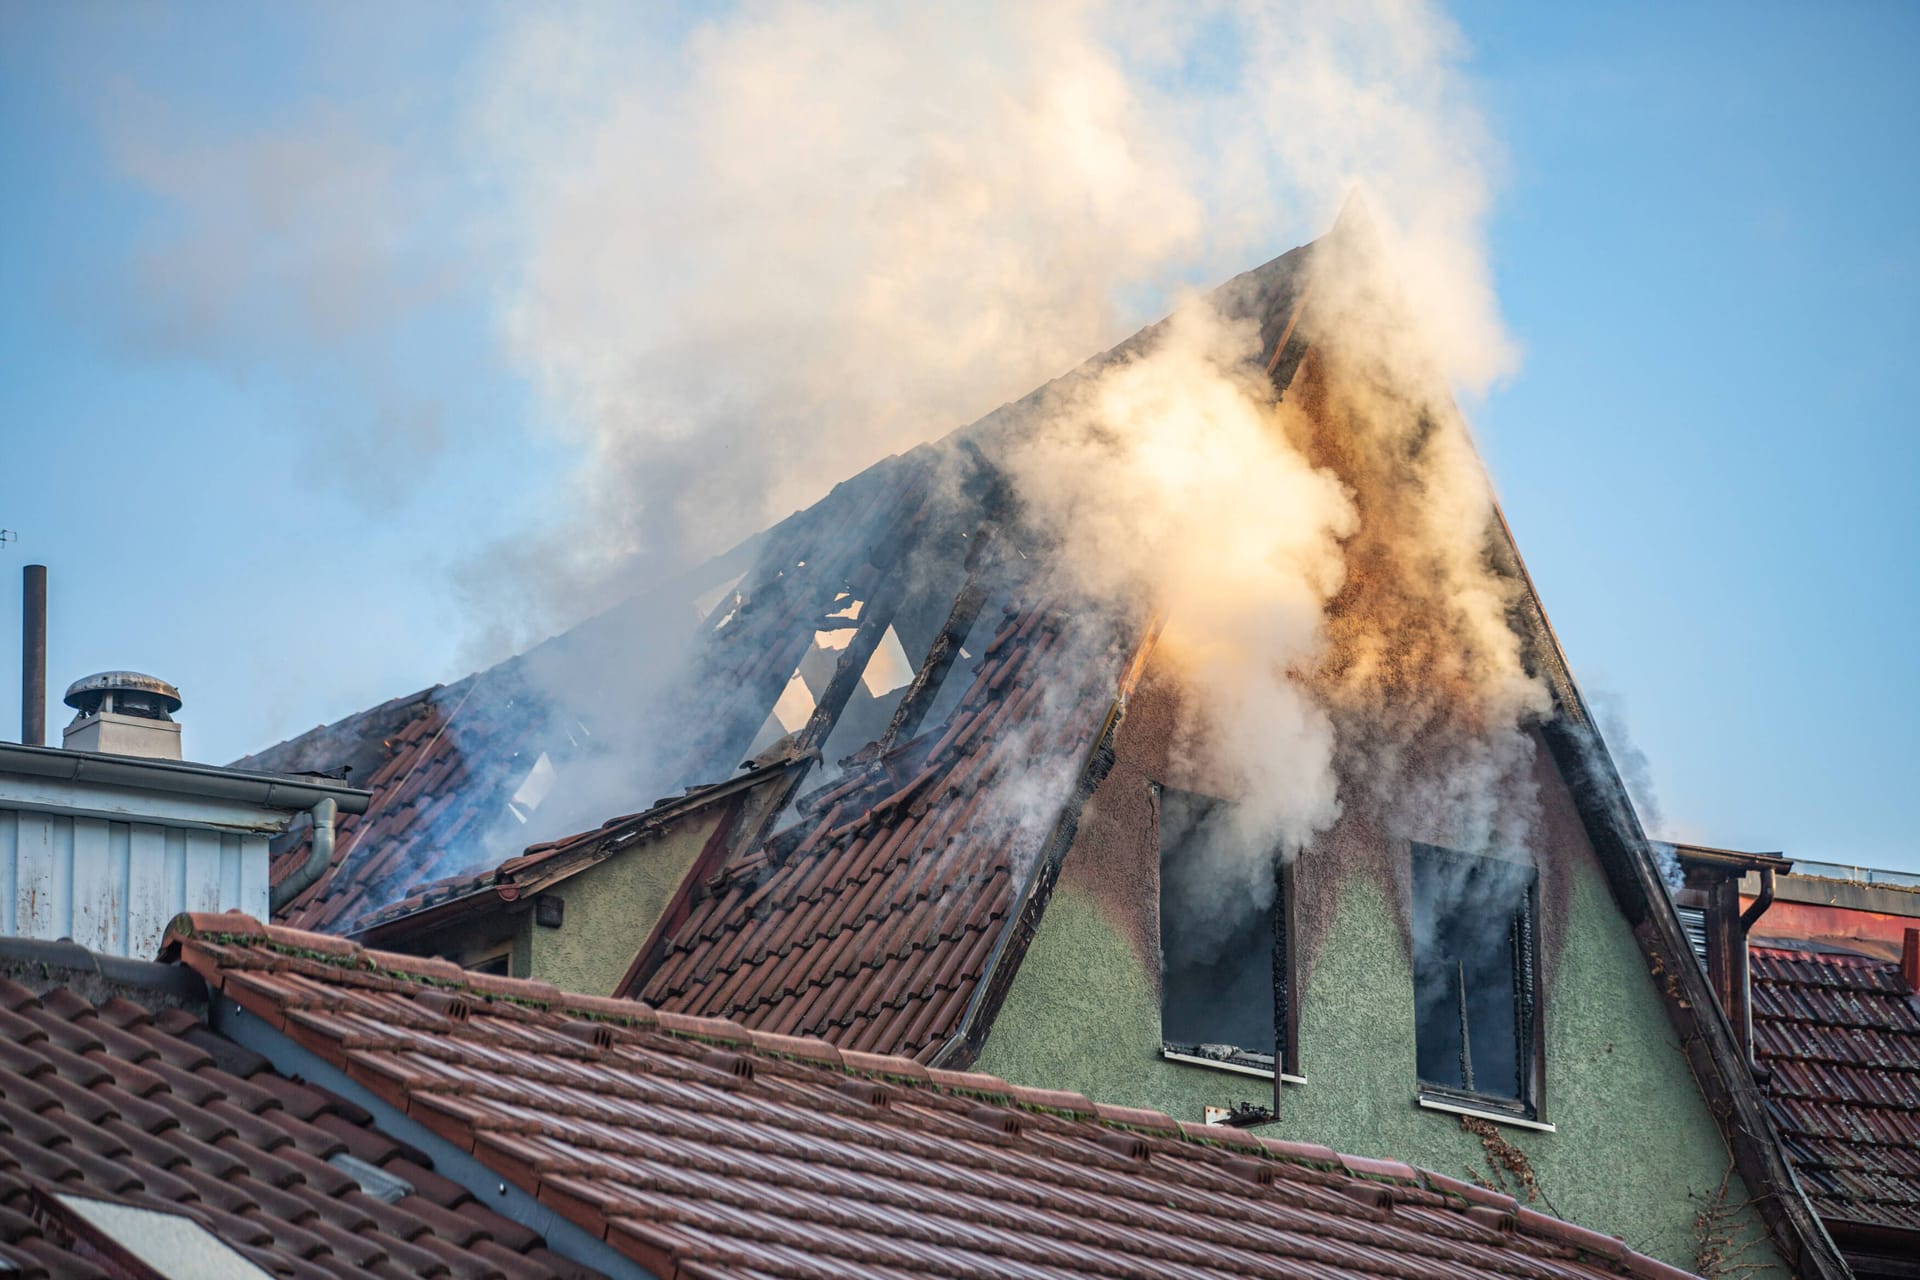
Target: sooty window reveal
point(1222, 939)
point(1473, 959)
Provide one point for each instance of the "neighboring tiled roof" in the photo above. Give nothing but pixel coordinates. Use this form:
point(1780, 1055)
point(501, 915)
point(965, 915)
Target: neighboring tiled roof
point(158, 1112)
point(1841, 1035)
point(701, 1150)
point(876, 929)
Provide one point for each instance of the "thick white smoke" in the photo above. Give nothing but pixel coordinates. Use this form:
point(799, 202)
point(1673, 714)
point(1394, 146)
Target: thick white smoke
point(1167, 479)
point(761, 253)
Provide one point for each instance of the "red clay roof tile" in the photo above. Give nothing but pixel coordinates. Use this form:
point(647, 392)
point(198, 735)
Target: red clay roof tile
point(750, 1157)
point(115, 1102)
point(1840, 1035)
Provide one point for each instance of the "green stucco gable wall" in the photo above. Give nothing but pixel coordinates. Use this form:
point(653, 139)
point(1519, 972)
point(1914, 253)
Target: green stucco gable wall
point(1637, 1153)
point(610, 910)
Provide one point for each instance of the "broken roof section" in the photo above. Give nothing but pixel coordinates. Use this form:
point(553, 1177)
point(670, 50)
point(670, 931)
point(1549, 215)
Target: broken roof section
point(804, 641)
point(697, 1148)
point(547, 744)
point(873, 919)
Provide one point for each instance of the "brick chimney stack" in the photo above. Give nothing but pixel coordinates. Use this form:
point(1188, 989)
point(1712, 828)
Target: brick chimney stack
point(1910, 961)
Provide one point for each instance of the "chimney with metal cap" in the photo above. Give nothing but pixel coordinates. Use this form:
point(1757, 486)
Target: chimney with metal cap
point(124, 713)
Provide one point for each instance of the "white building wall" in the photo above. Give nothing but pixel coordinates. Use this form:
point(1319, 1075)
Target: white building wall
point(113, 886)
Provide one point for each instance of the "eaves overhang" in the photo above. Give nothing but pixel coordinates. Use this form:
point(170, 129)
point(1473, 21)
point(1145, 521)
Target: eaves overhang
point(1731, 861)
point(161, 792)
point(178, 777)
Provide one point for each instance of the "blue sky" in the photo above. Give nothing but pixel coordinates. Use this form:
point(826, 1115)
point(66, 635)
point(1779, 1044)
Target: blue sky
point(286, 496)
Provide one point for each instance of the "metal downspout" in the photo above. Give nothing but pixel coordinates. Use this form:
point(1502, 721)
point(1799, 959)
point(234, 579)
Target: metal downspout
point(1749, 918)
point(319, 858)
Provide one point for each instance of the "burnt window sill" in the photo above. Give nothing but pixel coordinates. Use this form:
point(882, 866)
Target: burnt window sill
point(1454, 1104)
point(1245, 1064)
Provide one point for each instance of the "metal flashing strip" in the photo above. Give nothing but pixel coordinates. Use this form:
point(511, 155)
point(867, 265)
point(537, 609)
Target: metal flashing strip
point(1195, 1060)
point(139, 773)
point(489, 1188)
point(1497, 1117)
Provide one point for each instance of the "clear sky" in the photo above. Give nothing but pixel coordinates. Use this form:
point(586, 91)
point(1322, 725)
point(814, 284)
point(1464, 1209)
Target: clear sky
point(277, 475)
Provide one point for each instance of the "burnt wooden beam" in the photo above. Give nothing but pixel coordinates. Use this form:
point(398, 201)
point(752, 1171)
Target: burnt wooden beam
point(945, 648)
point(876, 615)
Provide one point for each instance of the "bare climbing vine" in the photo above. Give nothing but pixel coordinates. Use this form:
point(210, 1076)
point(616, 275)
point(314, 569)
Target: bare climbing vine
point(1719, 1251)
point(1512, 1172)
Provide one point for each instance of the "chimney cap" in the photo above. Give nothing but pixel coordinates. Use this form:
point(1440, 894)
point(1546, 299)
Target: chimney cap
point(85, 694)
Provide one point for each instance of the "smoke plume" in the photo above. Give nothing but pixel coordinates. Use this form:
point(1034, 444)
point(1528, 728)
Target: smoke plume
point(759, 254)
point(1166, 479)
point(762, 253)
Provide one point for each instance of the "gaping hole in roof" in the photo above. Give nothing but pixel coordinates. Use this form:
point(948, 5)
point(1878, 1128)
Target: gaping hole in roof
point(795, 704)
point(836, 638)
point(534, 788)
point(889, 668)
point(720, 603)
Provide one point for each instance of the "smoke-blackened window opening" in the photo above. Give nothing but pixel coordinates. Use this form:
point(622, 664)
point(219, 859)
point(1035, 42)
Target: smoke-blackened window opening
point(1226, 978)
point(1474, 986)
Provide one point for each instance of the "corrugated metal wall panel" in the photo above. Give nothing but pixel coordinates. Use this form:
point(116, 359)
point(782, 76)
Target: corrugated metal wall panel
point(113, 886)
point(201, 887)
point(96, 897)
point(9, 861)
point(37, 878)
point(256, 863)
point(150, 888)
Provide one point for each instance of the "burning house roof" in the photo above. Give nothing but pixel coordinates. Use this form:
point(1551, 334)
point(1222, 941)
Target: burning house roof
point(698, 1148)
point(887, 911)
point(891, 546)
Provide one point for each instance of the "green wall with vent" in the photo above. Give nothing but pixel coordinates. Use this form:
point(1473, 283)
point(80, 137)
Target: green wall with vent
point(1636, 1152)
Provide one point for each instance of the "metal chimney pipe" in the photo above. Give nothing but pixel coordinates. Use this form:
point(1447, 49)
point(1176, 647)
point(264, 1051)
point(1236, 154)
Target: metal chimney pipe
point(33, 655)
